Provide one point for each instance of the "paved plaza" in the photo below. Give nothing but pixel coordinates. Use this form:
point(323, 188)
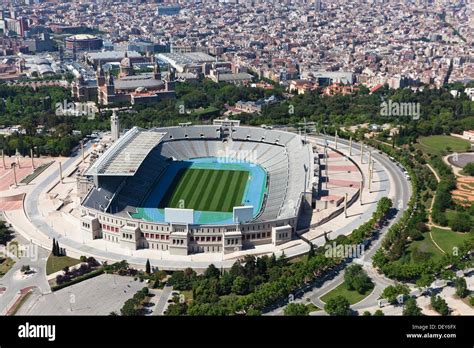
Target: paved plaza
point(97, 296)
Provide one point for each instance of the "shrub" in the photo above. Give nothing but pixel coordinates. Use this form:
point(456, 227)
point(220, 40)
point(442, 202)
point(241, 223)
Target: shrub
point(411, 308)
point(439, 305)
point(338, 305)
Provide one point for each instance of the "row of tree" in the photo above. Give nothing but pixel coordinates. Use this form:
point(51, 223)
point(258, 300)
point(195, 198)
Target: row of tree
point(255, 283)
point(134, 306)
point(394, 258)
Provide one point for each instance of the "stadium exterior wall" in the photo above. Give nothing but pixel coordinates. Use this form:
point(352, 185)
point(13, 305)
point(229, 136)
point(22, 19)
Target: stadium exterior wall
point(179, 239)
point(184, 239)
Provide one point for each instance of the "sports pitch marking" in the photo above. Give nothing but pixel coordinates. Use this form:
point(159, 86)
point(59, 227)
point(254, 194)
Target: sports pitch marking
point(206, 190)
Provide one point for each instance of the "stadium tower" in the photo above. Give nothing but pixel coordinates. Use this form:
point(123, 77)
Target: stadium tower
point(114, 126)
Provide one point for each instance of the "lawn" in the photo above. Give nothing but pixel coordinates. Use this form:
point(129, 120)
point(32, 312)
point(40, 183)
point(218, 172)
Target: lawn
point(438, 144)
point(206, 190)
point(205, 113)
point(447, 240)
point(451, 215)
point(313, 307)
point(5, 266)
point(57, 263)
point(425, 245)
point(351, 295)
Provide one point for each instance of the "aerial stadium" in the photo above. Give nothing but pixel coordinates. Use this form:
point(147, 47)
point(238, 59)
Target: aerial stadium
point(198, 188)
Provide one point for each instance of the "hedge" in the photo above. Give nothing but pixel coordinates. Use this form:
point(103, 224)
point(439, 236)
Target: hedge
point(78, 279)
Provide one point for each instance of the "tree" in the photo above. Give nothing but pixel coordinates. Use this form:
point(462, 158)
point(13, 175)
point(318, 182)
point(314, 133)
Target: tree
point(237, 269)
point(182, 280)
point(176, 309)
point(148, 267)
point(391, 292)
point(225, 283)
point(460, 223)
point(129, 308)
point(54, 250)
point(411, 308)
point(439, 305)
point(379, 259)
point(384, 205)
point(240, 286)
point(356, 279)
point(58, 249)
point(5, 233)
point(425, 280)
point(378, 313)
point(296, 309)
point(469, 169)
point(25, 269)
point(338, 305)
point(212, 272)
point(461, 287)
point(252, 312)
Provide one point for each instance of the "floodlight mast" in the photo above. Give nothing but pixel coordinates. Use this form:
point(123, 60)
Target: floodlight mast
point(306, 124)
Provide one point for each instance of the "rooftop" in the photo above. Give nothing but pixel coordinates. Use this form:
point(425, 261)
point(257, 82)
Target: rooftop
point(126, 155)
point(112, 55)
point(80, 37)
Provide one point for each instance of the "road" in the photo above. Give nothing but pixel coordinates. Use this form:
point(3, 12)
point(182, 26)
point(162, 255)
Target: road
point(160, 306)
point(36, 257)
point(44, 230)
point(401, 196)
point(37, 261)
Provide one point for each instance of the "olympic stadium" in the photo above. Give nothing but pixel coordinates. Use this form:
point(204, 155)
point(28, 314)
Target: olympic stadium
point(198, 188)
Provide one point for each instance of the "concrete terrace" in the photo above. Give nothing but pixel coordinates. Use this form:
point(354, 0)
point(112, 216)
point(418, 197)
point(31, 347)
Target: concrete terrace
point(40, 222)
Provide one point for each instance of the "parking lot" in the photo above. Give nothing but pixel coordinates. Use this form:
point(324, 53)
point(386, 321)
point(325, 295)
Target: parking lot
point(97, 296)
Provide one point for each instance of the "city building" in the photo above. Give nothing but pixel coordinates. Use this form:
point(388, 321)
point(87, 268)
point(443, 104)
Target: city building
point(83, 42)
point(187, 62)
point(133, 88)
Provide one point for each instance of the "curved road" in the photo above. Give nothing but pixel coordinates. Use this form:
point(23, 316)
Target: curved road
point(401, 196)
point(36, 259)
point(32, 201)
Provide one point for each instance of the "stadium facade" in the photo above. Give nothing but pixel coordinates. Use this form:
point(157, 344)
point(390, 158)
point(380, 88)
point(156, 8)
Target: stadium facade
point(131, 194)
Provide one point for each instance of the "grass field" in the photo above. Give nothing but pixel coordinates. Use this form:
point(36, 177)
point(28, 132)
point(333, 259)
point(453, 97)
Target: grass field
point(427, 246)
point(451, 215)
point(57, 263)
point(206, 190)
point(447, 240)
point(439, 144)
point(351, 295)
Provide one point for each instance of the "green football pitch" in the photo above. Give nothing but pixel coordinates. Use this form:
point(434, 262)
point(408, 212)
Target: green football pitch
point(206, 190)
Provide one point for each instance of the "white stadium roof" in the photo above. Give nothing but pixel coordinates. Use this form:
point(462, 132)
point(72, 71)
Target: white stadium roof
point(126, 155)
